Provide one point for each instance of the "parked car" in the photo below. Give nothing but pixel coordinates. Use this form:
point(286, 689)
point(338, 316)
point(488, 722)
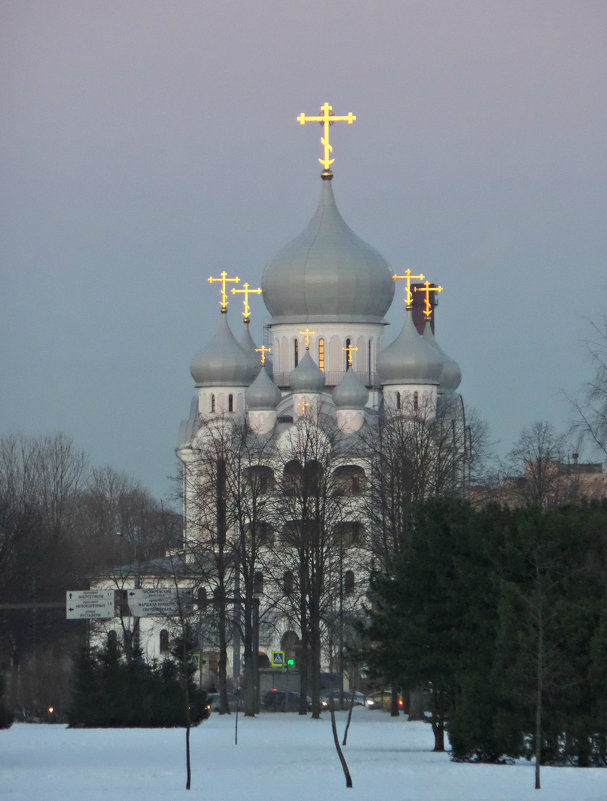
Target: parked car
point(283, 701)
point(214, 702)
point(332, 698)
point(383, 700)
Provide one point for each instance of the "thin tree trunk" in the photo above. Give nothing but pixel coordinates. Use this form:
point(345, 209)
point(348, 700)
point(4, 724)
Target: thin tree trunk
point(538, 698)
point(342, 758)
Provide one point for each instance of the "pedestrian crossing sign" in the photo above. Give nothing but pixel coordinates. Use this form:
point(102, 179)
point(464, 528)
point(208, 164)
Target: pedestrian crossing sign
point(278, 658)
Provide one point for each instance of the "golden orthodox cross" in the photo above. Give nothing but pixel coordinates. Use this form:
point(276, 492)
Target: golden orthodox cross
point(408, 278)
point(426, 289)
point(349, 350)
point(246, 291)
point(303, 405)
point(263, 350)
point(307, 334)
point(223, 280)
point(326, 119)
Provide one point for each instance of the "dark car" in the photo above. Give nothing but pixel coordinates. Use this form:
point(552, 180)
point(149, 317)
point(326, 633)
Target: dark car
point(383, 700)
point(348, 698)
point(214, 702)
point(284, 701)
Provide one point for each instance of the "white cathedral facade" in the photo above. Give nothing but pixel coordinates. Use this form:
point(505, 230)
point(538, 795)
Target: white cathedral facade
point(324, 355)
point(325, 365)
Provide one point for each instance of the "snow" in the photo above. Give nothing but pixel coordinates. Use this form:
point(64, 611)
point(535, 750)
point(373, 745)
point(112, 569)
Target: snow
point(279, 757)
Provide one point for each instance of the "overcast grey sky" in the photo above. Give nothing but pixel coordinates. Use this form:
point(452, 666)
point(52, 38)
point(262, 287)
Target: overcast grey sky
point(146, 145)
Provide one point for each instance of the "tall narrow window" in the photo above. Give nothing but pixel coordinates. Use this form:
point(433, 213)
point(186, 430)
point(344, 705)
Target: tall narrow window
point(164, 641)
point(258, 583)
point(212, 403)
point(230, 403)
point(349, 582)
point(296, 352)
point(415, 400)
point(321, 354)
point(398, 400)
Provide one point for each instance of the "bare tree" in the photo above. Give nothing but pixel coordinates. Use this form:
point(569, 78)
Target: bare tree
point(539, 477)
point(310, 513)
point(591, 409)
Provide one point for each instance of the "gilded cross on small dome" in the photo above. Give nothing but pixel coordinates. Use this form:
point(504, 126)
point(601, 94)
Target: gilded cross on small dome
point(223, 280)
point(307, 334)
point(408, 278)
point(326, 119)
point(263, 350)
point(246, 291)
point(426, 289)
point(349, 349)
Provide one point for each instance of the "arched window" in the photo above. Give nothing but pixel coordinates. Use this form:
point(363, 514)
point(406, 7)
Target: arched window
point(296, 352)
point(292, 476)
point(312, 477)
point(398, 400)
point(287, 582)
point(321, 354)
point(415, 400)
point(348, 352)
point(164, 641)
point(230, 402)
point(349, 582)
point(258, 583)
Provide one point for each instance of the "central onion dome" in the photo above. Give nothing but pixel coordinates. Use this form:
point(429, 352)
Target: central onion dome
point(327, 273)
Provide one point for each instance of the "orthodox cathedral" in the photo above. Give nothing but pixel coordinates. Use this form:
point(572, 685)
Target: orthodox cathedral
point(327, 294)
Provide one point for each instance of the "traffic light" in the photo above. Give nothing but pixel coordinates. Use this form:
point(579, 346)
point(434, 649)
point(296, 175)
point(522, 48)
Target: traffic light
point(290, 663)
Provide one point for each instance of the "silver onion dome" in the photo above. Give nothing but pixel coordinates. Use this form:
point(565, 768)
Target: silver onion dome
point(409, 359)
point(450, 376)
point(327, 273)
point(307, 376)
point(223, 362)
point(263, 394)
point(350, 393)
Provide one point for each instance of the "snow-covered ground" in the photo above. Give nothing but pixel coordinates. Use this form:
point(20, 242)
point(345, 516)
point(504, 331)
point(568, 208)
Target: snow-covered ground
point(279, 757)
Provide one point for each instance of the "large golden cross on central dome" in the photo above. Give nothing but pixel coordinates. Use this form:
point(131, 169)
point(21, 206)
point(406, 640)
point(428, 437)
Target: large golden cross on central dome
point(326, 119)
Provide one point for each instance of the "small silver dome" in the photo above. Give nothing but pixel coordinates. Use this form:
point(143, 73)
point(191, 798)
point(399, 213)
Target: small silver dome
point(263, 393)
point(307, 376)
point(246, 341)
point(223, 362)
point(350, 393)
point(450, 376)
point(409, 359)
point(327, 273)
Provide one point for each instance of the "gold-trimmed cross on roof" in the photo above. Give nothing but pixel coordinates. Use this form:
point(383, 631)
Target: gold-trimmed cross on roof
point(426, 289)
point(326, 119)
point(223, 280)
point(307, 334)
point(246, 291)
point(263, 350)
point(408, 278)
point(349, 349)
